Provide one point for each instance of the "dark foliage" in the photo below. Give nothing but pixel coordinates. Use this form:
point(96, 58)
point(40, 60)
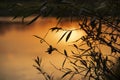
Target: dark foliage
point(100, 20)
point(90, 61)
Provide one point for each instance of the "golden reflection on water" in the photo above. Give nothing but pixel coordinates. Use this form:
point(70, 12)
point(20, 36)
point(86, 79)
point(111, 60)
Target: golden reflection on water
point(18, 48)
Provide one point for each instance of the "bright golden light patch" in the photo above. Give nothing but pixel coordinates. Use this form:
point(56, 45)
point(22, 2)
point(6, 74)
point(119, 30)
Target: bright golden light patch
point(75, 35)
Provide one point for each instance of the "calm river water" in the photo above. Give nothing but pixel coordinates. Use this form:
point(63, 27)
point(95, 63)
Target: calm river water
point(19, 48)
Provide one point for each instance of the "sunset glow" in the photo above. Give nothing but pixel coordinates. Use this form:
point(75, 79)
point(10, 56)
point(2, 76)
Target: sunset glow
point(19, 48)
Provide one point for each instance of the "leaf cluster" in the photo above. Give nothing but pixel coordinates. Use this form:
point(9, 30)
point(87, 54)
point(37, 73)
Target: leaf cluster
point(88, 60)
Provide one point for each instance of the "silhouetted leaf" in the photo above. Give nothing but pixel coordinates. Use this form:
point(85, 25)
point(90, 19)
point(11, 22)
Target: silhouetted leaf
point(55, 28)
point(50, 49)
point(59, 20)
point(38, 61)
point(66, 74)
point(83, 38)
point(75, 46)
point(62, 37)
point(38, 68)
point(81, 49)
point(38, 58)
point(64, 62)
point(84, 63)
point(74, 63)
point(34, 19)
point(92, 63)
point(68, 36)
point(86, 51)
point(37, 36)
point(72, 52)
point(76, 70)
point(41, 39)
point(65, 52)
point(48, 77)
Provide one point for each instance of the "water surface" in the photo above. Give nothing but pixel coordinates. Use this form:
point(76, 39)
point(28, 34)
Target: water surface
point(19, 48)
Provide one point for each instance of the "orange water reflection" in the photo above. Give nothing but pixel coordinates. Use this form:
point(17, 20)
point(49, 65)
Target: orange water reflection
point(18, 48)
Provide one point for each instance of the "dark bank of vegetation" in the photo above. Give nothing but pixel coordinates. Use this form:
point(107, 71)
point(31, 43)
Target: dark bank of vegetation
point(99, 19)
point(17, 7)
point(59, 7)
